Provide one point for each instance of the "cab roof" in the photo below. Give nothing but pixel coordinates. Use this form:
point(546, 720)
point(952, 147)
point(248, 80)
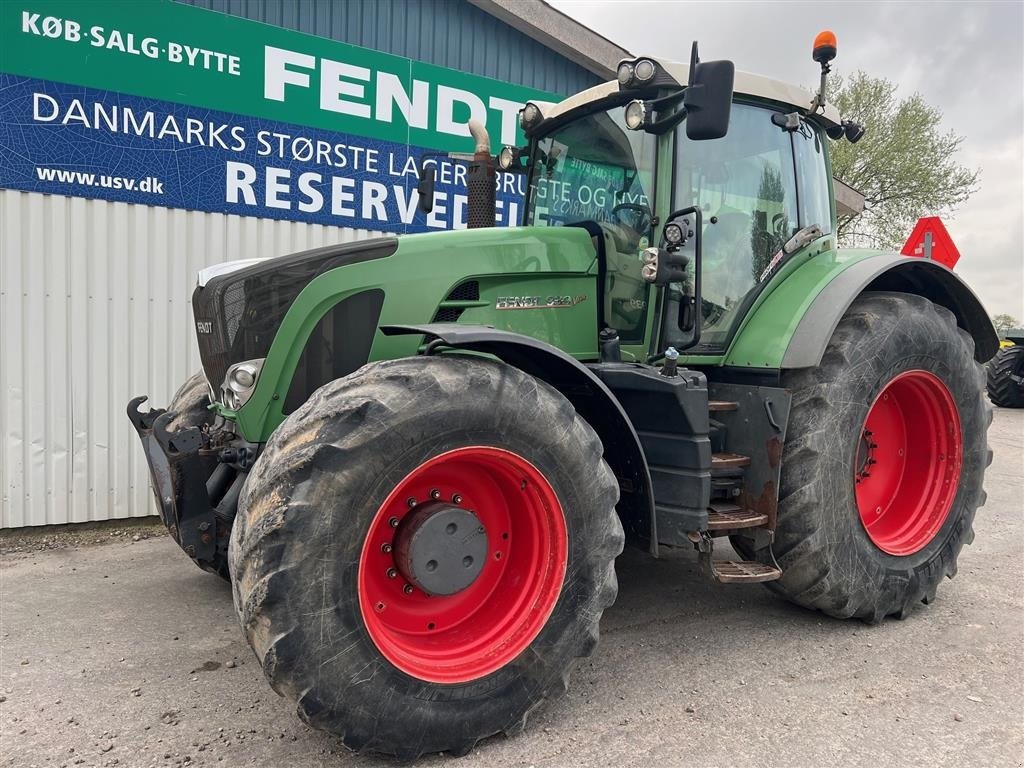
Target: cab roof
point(746, 84)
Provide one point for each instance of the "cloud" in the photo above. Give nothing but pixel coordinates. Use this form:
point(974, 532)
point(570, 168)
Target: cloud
point(965, 58)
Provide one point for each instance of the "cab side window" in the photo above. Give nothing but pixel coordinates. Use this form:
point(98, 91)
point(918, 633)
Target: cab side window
point(744, 182)
point(812, 178)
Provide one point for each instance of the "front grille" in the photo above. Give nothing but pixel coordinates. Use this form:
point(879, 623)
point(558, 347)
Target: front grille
point(238, 314)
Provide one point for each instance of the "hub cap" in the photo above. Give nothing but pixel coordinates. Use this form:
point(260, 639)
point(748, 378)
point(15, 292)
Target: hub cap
point(440, 548)
point(463, 564)
point(907, 465)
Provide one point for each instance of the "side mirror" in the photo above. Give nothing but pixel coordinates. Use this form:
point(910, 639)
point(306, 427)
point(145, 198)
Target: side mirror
point(708, 100)
point(425, 188)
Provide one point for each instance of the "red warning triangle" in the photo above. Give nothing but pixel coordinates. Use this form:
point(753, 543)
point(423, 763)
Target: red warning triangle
point(930, 240)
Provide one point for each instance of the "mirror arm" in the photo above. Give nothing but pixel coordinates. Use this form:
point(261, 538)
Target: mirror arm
point(667, 124)
point(667, 101)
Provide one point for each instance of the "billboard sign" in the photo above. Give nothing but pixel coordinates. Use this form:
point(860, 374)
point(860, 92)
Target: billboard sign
point(160, 103)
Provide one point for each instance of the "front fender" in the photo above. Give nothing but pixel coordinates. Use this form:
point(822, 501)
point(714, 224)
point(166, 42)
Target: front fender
point(791, 328)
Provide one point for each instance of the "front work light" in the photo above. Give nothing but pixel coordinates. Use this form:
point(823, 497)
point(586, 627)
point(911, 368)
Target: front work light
point(507, 158)
point(636, 115)
point(854, 131)
point(673, 233)
point(644, 70)
point(529, 116)
point(625, 73)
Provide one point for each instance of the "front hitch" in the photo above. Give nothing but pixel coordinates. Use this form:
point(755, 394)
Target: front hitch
point(181, 466)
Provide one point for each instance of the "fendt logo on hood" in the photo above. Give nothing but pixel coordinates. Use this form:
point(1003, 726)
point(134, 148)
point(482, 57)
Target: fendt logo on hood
point(538, 302)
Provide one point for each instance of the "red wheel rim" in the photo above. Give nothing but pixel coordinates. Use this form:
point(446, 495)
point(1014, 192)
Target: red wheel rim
point(907, 465)
point(464, 636)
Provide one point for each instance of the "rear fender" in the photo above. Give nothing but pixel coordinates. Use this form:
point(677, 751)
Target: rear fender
point(792, 326)
point(589, 396)
point(901, 274)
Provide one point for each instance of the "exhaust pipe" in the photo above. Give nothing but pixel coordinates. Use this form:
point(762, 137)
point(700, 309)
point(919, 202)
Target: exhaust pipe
point(480, 180)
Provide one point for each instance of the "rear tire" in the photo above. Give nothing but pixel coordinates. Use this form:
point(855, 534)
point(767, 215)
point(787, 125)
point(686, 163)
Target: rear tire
point(317, 584)
point(1002, 389)
point(190, 406)
point(909, 351)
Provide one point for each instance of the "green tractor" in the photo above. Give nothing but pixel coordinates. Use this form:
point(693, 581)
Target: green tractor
point(417, 458)
point(1005, 372)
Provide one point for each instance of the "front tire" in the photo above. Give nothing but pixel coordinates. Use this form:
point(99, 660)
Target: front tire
point(352, 517)
point(1003, 390)
point(883, 463)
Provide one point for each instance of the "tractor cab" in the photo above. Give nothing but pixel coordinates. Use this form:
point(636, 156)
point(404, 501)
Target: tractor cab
point(711, 186)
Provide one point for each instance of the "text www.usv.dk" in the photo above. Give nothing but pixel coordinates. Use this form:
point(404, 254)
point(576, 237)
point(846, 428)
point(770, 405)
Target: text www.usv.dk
point(148, 184)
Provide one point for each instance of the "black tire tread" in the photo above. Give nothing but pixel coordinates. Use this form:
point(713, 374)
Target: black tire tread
point(1003, 391)
point(814, 576)
point(338, 420)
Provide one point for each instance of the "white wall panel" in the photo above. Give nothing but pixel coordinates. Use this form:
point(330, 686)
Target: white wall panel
point(95, 307)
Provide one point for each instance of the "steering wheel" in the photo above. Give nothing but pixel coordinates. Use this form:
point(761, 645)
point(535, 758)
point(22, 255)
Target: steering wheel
point(643, 216)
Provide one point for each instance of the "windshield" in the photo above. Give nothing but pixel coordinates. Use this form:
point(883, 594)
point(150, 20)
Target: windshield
point(746, 188)
point(595, 170)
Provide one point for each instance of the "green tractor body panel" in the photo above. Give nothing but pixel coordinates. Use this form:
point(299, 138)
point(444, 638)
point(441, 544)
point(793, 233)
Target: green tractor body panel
point(790, 322)
point(768, 328)
point(537, 281)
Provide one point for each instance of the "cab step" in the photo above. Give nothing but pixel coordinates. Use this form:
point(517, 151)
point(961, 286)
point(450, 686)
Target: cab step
point(742, 572)
point(736, 571)
point(728, 461)
point(726, 516)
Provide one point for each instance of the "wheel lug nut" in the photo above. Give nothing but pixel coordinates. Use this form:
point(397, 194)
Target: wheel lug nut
point(392, 573)
point(410, 502)
point(456, 499)
point(393, 522)
point(407, 589)
point(385, 548)
point(435, 494)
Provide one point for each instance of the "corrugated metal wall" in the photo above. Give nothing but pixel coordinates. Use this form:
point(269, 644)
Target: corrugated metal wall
point(449, 33)
point(94, 309)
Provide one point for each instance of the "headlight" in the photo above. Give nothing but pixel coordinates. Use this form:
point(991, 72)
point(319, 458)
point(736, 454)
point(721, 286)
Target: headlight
point(636, 115)
point(625, 73)
point(239, 383)
point(673, 233)
point(644, 70)
point(529, 116)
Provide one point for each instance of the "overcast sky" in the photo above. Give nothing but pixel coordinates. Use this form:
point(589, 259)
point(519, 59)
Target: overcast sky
point(967, 58)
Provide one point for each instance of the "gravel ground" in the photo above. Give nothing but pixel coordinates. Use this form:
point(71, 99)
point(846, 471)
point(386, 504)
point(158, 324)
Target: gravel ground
point(125, 654)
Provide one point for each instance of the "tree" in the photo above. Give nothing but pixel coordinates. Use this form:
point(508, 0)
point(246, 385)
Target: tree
point(1003, 323)
point(904, 165)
